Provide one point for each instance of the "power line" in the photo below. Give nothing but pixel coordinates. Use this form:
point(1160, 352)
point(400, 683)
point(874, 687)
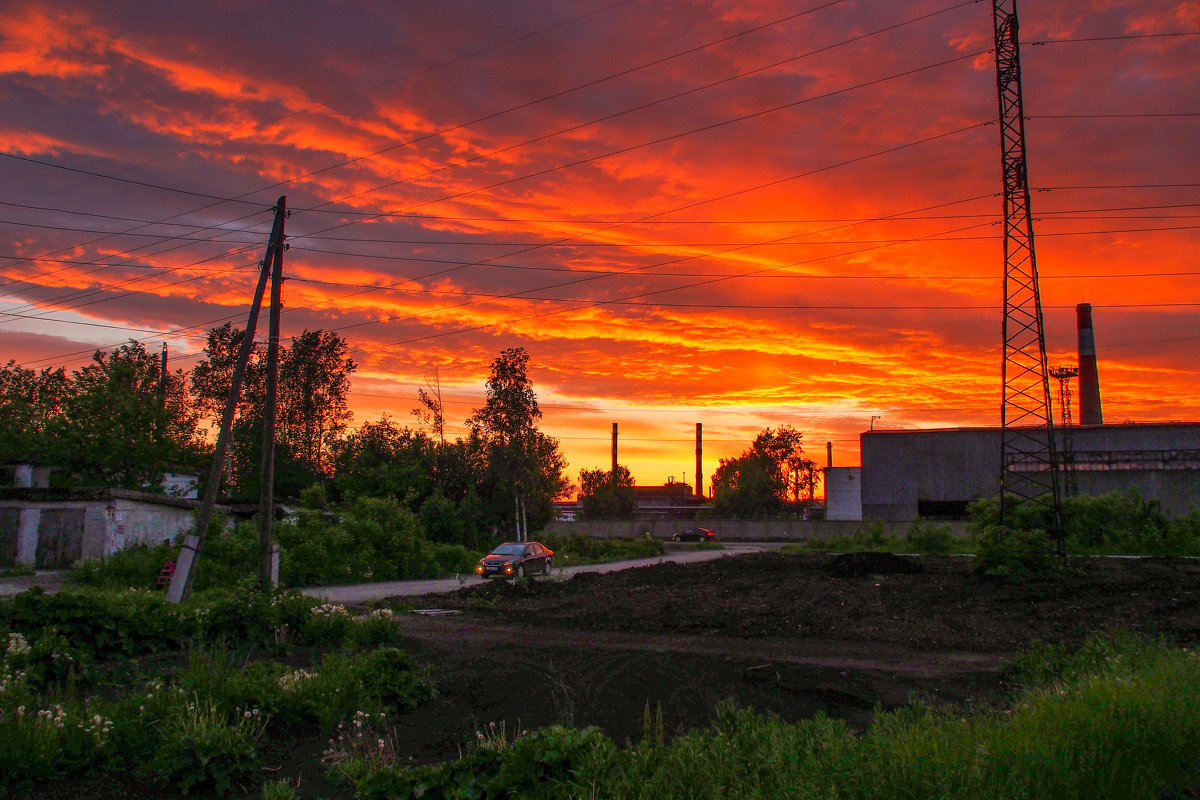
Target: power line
point(1120, 37)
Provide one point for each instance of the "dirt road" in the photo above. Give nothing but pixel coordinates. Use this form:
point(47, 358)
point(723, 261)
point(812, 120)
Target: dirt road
point(367, 592)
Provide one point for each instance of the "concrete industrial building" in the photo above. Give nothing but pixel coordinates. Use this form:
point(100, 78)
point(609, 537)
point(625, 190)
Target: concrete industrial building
point(907, 474)
point(937, 473)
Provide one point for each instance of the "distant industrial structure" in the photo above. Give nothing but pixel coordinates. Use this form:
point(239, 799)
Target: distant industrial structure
point(906, 474)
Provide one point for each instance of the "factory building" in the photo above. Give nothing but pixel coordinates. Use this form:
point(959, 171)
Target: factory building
point(908, 474)
point(936, 473)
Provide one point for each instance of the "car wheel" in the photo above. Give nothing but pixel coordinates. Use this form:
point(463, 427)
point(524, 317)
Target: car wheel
point(549, 565)
point(520, 570)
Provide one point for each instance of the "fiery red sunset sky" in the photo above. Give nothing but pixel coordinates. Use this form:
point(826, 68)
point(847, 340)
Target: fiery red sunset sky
point(743, 214)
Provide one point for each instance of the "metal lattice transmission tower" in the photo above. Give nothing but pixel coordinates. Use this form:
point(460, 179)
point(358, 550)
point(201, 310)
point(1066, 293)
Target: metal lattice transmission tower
point(1028, 470)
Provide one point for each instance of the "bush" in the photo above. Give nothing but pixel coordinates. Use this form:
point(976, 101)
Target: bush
point(391, 675)
point(136, 567)
point(327, 624)
point(540, 764)
point(1014, 553)
point(930, 537)
point(576, 549)
point(250, 614)
point(202, 746)
point(100, 624)
point(1114, 523)
point(375, 539)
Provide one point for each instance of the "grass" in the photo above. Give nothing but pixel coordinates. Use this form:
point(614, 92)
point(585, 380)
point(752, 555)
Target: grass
point(575, 550)
point(1119, 718)
point(1122, 722)
point(83, 692)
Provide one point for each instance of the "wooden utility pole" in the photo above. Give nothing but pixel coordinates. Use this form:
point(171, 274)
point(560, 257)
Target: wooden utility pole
point(185, 568)
point(266, 505)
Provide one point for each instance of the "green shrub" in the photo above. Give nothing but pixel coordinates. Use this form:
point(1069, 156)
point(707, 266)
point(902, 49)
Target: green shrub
point(327, 624)
point(203, 746)
point(135, 567)
point(248, 613)
point(278, 790)
point(328, 693)
point(53, 663)
point(541, 764)
point(1014, 553)
point(101, 624)
point(390, 675)
point(930, 537)
point(1114, 523)
point(39, 743)
point(374, 539)
point(576, 549)
point(454, 559)
point(377, 628)
point(213, 674)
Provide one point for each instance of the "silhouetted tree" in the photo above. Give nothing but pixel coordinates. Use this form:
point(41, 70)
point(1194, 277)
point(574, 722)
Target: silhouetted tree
point(121, 426)
point(600, 496)
point(524, 466)
point(765, 477)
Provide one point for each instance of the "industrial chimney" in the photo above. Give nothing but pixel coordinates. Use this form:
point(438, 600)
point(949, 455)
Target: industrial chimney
point(699, 460)
point(612, 476)
point(1089, 378)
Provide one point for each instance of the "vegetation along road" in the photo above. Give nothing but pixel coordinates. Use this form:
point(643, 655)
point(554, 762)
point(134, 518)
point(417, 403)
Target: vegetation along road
point(367, 592)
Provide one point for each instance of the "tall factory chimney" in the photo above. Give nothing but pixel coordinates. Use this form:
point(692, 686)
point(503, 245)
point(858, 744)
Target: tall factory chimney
point(829, 455)
point(1089, 378)
point(613, 475)
point(699, 460)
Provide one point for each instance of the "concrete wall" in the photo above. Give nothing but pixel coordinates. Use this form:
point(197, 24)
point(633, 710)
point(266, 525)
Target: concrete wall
point(53, 529)
point(727, 530)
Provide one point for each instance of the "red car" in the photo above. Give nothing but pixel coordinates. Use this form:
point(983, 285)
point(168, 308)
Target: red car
point(516, 560)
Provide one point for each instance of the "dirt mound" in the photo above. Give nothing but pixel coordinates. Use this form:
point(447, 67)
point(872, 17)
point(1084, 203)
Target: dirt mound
point(857, 565)
point(497, 588)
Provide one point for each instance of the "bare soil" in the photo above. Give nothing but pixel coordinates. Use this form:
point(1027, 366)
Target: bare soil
point(790, 634)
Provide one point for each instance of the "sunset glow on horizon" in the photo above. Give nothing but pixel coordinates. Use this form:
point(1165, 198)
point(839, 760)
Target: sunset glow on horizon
point(741, 214)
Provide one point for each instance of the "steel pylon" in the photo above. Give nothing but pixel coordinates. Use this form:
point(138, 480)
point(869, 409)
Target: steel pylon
point(1029, 465)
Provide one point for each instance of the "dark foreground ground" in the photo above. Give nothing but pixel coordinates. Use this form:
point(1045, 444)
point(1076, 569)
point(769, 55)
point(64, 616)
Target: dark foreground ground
point(792, 635)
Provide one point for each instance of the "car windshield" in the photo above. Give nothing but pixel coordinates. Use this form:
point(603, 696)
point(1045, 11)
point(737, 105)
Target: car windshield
point(509, 550)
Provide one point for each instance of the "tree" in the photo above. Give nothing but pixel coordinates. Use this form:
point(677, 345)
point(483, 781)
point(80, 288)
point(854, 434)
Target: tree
point(600, 496)
point(432, 412)
point(314, 391)
point(31, 413)
point(210, 380)
point(524, 466)
point(764, 477)
point(383, 460)
point(313, 408)
point(122, 426)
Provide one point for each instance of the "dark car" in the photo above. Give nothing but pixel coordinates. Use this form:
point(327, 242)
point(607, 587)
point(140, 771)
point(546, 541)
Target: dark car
point(694, 535)
point(516, 560)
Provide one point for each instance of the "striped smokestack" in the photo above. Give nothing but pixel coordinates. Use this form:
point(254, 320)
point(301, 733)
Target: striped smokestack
point(1089, 378)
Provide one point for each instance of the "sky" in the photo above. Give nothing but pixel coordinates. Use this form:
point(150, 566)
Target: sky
point(740, 214)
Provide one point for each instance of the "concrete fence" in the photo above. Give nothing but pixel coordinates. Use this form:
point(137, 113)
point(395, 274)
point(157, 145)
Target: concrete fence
point(746, 530)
